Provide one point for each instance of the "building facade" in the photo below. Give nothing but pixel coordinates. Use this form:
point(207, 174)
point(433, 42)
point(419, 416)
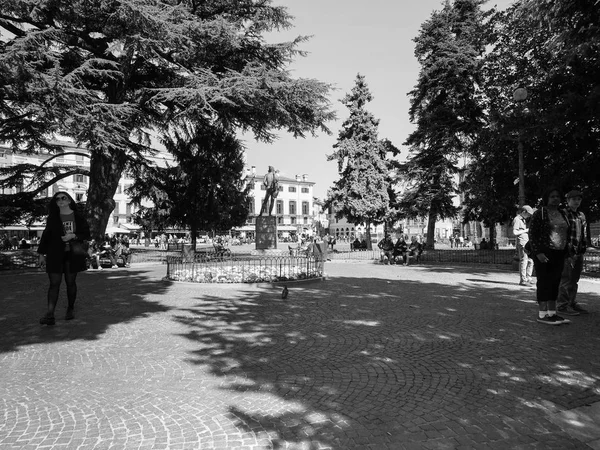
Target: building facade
point(76, 185)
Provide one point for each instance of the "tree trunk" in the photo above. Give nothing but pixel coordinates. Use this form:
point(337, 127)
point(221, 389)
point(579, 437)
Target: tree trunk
point(369, 243)
point(492, 236)
point(431, 229)
point(105, 173)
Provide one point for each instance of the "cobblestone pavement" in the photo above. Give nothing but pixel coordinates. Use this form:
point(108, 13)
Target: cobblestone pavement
point(376, 357)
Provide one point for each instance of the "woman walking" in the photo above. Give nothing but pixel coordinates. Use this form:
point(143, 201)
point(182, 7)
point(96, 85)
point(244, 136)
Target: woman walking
point(61, 253)
point(548, 240)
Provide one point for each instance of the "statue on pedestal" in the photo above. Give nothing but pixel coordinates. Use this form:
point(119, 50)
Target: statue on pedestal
point(271, 183)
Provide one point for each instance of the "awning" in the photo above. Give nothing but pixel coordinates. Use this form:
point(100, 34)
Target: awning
point(23, 228)
point(117, 230)
point(130, 226)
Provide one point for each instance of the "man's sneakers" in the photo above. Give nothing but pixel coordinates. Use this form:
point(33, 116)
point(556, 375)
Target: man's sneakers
point(579, 309)
point(553, 320)
point(568, 311)
point(573, 310)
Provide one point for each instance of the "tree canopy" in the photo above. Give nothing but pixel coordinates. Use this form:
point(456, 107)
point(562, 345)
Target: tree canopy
point(446, 107)
point(361, 194)
point(203, 191)
point(110, 75)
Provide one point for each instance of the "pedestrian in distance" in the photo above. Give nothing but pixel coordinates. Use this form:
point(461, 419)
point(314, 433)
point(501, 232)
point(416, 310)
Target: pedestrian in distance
point(521, 231)
point(575, 249)
point(548, 240)
point(65, 229)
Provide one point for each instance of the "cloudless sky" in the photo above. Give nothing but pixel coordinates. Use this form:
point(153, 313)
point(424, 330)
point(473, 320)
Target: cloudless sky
point(374, 38)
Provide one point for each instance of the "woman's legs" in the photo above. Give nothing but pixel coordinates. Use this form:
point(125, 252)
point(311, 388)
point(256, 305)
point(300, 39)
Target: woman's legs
point(70, 280)
point(53, 290)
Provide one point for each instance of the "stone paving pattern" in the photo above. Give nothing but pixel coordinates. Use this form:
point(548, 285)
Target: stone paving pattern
point(376, 357)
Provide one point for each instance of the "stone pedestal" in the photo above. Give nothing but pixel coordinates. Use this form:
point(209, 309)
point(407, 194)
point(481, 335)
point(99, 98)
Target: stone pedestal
point(266, 232)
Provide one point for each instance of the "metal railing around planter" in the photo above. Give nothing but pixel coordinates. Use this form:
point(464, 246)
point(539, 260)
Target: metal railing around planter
point(19, 260)
point(243, 268)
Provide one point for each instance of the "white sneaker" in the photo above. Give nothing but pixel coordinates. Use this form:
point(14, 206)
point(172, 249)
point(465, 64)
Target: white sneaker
point(114, 267)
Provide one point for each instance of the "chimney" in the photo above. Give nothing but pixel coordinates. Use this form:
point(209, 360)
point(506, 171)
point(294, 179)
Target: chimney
point(297, 177)
point(247, 172)
point(253, 170)
point(305, 177)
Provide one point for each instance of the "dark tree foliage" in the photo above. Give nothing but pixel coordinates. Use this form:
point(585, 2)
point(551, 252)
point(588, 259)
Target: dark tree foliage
point(446, 106)
point(362, 193)
point(553, 50)
point(204, 190)
point(109, 74)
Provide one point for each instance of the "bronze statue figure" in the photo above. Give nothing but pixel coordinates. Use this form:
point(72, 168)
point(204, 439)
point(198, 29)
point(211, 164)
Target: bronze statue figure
point(271, 183)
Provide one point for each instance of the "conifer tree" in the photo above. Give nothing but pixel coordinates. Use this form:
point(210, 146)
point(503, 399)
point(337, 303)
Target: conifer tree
point(361, 193)
point(109, 75)
point(446, 107)
point(204, 190)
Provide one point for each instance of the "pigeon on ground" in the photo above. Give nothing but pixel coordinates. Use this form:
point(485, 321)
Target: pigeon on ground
point(285, 292)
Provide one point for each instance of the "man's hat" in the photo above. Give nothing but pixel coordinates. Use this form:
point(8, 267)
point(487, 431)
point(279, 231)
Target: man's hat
point(574, 193)
point(526, 208)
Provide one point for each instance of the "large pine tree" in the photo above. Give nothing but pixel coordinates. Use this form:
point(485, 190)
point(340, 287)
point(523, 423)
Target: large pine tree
point(204, 190)
point(446, 107)
point(110, 74)
point(364, 163)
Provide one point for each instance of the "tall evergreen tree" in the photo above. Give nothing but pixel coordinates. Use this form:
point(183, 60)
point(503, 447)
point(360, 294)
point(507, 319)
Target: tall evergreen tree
point(446, 107)
point(108, 74)
point(204, 190)
point(364, 164)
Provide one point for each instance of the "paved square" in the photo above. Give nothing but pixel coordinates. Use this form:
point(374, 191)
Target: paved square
point(379, 357)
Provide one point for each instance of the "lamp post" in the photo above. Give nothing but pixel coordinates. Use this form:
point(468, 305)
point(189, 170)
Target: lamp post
point(519, 96)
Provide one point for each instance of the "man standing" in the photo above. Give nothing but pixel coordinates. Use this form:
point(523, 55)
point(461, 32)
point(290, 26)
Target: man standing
point(576, 247)
point(271, 184)
point(521, 231)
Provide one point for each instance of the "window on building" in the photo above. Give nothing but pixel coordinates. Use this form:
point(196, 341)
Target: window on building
point(292, 207)
point(305, 208)
point(280, 189)
point(116, 210)
point(279, 206)
point(262, 187)
point(115, 219)
point(280, 220)
point(79, 159)
point(292, 189)
point(293, 220)
point(251, 205)
point(128, 209)
point(78, 197)
point(305, 190)
point(305, 220)
point(119, 189)
point(78, 178)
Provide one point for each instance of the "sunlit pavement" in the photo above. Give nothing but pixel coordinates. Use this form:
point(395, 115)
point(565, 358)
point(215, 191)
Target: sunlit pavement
point(381, 357)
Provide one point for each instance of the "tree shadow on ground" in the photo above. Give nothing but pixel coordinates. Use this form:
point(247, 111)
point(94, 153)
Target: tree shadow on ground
point(104, 299)
point(359, 361)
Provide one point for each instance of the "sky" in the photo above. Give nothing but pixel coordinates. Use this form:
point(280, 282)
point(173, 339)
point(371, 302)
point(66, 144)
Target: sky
point(373, 38)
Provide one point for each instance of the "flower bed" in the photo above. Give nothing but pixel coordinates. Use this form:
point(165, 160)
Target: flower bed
point(247, 271)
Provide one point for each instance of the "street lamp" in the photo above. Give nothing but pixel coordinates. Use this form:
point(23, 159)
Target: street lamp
point(519, 96)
